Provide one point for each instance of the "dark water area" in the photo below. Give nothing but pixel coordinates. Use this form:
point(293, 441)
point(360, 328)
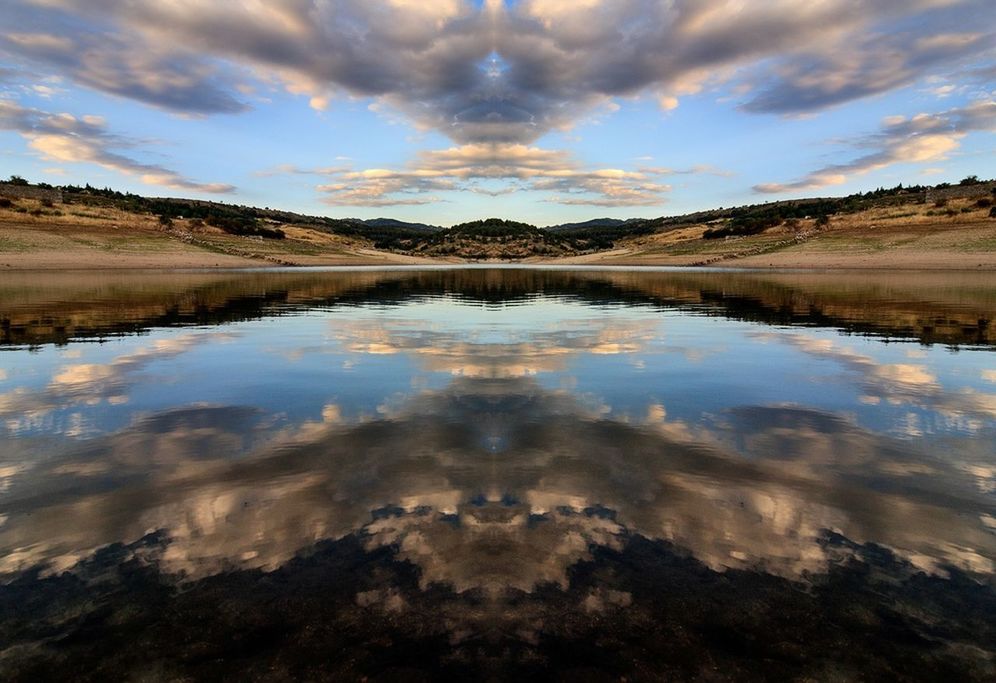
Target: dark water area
point(497, 474)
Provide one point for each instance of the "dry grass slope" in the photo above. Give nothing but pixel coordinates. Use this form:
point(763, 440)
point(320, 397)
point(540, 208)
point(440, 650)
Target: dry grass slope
point(954, 232)
point(959, 235)
point(35, 236)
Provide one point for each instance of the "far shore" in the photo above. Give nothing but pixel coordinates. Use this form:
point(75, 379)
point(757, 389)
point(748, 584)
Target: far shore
point(86, 259)
point(909, 237)
point(871, 260)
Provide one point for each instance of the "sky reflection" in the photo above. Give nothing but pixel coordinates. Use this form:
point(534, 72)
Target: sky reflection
point(494, 447)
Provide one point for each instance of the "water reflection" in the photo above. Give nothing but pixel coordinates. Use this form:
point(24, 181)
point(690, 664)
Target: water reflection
point(943, 307)
point(447, 486)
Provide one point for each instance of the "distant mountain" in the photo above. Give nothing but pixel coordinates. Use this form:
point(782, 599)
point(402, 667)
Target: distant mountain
point(593, 223)
point(394, 223)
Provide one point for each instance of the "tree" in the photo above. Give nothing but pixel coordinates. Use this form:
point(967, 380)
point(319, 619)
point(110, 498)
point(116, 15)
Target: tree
point(17, 180)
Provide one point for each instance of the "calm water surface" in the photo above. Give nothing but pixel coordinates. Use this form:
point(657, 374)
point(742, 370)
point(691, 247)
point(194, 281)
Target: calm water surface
point(497, 474)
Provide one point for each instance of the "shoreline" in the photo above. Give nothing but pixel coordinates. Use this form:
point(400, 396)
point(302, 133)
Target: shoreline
point(835, 267)
point(83, 261)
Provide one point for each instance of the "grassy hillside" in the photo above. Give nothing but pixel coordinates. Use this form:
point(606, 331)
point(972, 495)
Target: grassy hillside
point(901, 220)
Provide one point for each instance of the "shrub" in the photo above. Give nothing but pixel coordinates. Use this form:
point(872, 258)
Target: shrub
point(17, 180)
point(823, 220)
point(941, 202)
point(734, 230)
point(992, 212)
point(970, 180)
point(245, 227)
point(47, 203)
point(984, 203)
point(165, 220)
point(5, 203)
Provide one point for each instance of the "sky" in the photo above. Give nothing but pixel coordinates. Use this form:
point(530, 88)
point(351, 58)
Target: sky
point(545, 111)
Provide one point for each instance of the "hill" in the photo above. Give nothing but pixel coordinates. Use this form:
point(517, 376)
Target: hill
point(593, 223)
point(43, 226)
point(396, 224)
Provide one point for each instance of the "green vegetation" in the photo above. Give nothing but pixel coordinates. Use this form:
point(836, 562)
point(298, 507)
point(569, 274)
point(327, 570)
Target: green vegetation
point(245, 227)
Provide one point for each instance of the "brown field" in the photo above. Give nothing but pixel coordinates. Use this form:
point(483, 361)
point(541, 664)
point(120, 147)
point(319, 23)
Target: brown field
point(909, 236)
point(75, 237)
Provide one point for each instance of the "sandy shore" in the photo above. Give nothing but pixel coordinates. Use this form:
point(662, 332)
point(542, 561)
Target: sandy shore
point(898, 260)
point(75, 259)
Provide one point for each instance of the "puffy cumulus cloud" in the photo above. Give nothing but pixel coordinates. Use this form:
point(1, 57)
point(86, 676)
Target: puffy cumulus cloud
point(917, 139)
point(383, 187)
point(66, 138)
point(469, 167)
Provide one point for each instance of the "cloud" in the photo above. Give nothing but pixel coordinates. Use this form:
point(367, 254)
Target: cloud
point(917, 139)
point(501, 71)
point(93, 383)
point(291, 169)
point(66, 138)
point(158, 75)
point(469, 167)
point(547, 351)
point(223, 504)
point(901, 383)
point(877, 64)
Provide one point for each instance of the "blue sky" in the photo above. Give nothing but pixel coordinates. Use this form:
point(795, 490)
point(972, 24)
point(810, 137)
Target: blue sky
point(539, 110)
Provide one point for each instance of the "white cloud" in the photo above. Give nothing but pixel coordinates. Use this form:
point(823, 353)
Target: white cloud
point(503, 73)
point(466, 167)
point(66, 138)
point(901, 140)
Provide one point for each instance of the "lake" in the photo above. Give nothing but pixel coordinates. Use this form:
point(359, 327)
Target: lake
point(497, 473)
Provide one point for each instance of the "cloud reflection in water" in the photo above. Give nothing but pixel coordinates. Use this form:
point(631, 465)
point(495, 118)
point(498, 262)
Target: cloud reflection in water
point(496, 481)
